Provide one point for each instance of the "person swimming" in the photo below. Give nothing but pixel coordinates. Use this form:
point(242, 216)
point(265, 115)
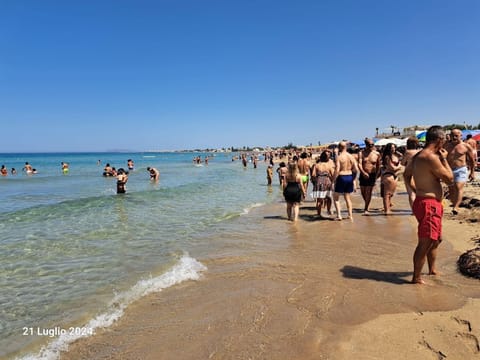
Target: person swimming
point(130, 164)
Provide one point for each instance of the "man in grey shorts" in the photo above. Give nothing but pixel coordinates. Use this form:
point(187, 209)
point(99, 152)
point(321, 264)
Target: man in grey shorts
point(461, 160)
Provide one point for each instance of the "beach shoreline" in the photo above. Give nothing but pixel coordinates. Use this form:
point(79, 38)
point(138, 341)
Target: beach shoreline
point(281, 307)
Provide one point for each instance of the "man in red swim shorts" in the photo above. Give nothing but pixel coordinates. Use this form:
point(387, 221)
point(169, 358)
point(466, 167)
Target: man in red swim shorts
point(429, 212)
point(428, 168)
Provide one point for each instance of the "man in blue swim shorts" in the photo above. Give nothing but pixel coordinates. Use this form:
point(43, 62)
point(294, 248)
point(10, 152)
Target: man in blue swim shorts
point(345, 167)
point(461, 160)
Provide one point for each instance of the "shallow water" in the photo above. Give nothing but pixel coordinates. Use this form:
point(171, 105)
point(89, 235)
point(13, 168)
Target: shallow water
point(75, 255)
point(70, 247)
point(280, 290)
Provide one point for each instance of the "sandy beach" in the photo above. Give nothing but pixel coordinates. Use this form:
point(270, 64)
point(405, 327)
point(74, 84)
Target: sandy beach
point(318, 289)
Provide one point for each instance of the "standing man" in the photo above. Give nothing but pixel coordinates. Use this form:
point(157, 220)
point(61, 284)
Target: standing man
point(369, 164)
point(473, 144)
point(428, 168)
point(461, 160)
point(304, 169)
point(345, 167)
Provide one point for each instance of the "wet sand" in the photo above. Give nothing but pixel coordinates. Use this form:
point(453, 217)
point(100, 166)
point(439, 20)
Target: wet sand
point(318, 289)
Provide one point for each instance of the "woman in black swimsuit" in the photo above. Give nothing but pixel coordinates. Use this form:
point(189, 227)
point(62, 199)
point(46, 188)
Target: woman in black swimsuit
point(390, 167)
point(293, 191)
point(122, 179)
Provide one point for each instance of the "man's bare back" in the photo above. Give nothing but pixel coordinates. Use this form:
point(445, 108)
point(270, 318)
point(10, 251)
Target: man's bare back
point(346, 163)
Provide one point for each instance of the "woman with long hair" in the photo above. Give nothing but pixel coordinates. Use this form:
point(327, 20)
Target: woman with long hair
point(390, 167)
point(293, 191)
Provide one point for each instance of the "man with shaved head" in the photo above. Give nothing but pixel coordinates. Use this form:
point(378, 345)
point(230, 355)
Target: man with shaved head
point(461, 160)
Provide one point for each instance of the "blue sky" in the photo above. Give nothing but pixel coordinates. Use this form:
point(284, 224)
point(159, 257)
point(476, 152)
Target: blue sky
point(173, 74)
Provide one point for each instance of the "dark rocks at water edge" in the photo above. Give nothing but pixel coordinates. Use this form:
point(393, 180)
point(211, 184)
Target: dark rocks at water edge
point(469, 202)
point(469, 263)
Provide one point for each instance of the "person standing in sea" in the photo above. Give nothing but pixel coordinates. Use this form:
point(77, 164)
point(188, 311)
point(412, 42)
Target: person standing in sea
point(428, 169)
point(282, 172)
point(122, 178)
point(369, 165)
point(461, 160)
point(244, 160)
point(28, 168)
point(65, 168)
point(269, 175)
point(154, 174)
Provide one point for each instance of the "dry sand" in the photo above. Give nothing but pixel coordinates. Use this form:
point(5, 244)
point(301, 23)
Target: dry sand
point(347, 297)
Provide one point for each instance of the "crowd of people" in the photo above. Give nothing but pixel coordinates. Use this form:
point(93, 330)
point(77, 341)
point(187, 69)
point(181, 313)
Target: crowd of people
point(339, 171)
point(121, 174)
point(27, 169)
point(437, 171)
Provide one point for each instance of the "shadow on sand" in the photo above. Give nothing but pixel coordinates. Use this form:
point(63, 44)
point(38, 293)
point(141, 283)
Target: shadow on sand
point(353, 272)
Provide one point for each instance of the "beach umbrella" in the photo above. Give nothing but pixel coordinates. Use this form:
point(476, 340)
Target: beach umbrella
point(397, 142)
point(469, 132)
point(476, 137)
point(421, 136)
point(360, 143)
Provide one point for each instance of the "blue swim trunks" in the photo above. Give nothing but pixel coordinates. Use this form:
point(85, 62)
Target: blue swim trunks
point(344, 184)
point(460, 175)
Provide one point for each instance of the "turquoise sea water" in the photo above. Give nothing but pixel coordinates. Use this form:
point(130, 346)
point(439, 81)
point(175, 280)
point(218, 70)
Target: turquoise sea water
point(74, 254)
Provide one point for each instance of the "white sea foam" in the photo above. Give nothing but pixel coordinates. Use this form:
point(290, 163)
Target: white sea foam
point(187, 268)
point(253, 206)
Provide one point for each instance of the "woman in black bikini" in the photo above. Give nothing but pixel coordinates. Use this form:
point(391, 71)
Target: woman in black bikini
point(390, 167)
point(293, 191)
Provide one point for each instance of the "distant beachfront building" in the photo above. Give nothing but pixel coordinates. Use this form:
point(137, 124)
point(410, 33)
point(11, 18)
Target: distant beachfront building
point(394, 131)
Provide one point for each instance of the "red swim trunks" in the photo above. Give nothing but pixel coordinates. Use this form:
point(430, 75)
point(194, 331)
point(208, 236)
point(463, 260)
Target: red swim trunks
point(428, 212)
